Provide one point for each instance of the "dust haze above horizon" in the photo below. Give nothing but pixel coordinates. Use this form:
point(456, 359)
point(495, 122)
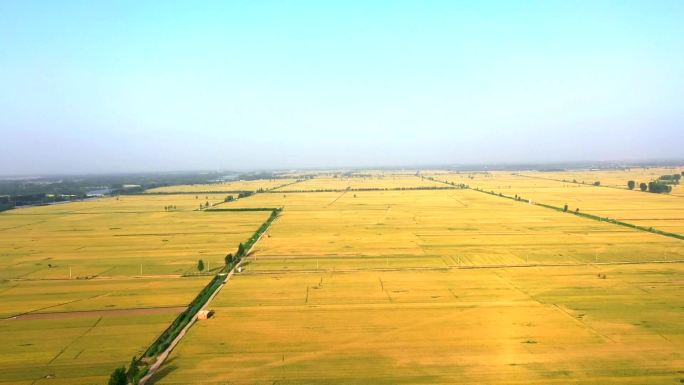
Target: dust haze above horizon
point(138, 86)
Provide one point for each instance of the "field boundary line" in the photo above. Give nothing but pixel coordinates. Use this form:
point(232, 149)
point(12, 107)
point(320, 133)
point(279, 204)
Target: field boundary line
point(650, 229)
point(470, 267)
point(51, 306)
point(590, 184)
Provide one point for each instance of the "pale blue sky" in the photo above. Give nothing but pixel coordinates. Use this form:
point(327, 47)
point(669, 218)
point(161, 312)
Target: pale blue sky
point(98, 86)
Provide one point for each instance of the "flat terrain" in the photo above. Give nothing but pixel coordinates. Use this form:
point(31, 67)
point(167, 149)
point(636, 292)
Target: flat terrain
point(242, 185)
point(662, 211)
point(524, 325)
point(395, 285)
point(615, 178)
point(87, 285)
point(370, 181)
point(439, 228)
point(440, 286)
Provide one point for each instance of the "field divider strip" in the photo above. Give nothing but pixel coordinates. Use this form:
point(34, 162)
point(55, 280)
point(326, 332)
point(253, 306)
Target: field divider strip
point(589, 184)
point(576, 213)
point(586, 215)
point(169, 339)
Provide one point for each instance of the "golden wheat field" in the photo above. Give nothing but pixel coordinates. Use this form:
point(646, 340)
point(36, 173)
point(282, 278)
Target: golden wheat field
point(512, 326)
point(361, 181)
point(441, 286)
point(439, 228)
point(87, 285)
point(614, 178)
point(242, 185)
point(386, 286)
point(662, 211)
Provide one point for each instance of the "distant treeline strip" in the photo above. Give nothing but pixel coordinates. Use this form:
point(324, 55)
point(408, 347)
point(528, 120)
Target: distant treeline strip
point(193, 192)
point(453, 184)
point(241, 209)
point(6, 206)
point(367, 189)
point(585, 215)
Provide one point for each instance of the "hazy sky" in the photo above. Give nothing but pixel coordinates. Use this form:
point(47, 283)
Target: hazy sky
point(98, 86)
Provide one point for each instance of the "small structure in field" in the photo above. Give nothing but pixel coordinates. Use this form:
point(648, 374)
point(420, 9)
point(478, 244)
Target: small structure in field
point(205, 314)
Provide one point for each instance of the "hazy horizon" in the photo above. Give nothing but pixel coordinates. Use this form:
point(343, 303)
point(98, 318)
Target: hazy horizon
point(131, 87)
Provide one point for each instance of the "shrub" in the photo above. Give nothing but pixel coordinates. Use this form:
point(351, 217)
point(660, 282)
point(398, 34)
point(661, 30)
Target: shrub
point(118, 377)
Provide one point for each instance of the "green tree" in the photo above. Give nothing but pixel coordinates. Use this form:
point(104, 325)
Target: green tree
point(200, 265)
point(241, 250)
point(565, 208)
point(658, 188)
point(631, 184)
point(118, 377)
point(229, 258)
point(597, 183)
point(133, 370)
point(643, 186)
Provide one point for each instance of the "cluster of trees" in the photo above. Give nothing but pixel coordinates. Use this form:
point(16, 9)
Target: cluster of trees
point(229, 198)
point(670, 179)
point(169, 208)
point(245, 194)
point(657, 187)
point(232, 259)
point(10, 201)
point(121, 376)
point(205, 205)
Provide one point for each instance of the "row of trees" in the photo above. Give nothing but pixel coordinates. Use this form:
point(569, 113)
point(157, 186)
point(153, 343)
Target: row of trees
point(653, 187)
point(670, 179)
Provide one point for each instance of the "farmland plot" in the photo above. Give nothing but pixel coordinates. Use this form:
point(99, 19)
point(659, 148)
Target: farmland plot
point(438, 229)
point(514, 326)
point(661, 211)
point(87, 285)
